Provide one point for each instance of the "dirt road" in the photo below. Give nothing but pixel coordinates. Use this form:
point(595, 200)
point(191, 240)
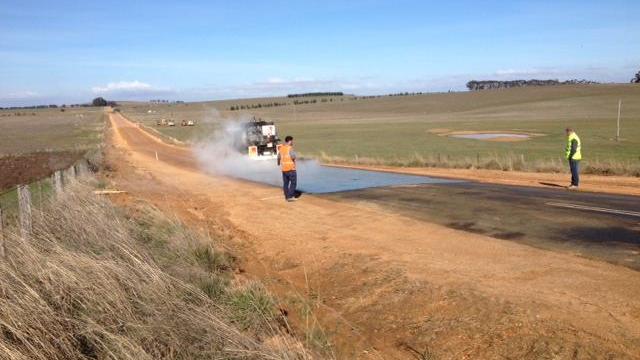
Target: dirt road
point(383, 283)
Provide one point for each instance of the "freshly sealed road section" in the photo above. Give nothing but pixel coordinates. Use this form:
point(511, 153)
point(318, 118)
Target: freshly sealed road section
point(329, 179)
point(317, 179)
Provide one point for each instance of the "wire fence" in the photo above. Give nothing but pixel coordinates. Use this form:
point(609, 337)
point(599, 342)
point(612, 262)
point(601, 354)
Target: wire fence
point(17, 202)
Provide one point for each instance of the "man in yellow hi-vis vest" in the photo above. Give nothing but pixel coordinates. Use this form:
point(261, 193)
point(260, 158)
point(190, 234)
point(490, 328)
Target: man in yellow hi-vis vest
point(573, 153)
point(287, 161)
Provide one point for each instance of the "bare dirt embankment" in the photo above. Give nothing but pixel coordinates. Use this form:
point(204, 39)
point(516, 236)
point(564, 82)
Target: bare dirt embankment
point(382, 283)
point(23, 169)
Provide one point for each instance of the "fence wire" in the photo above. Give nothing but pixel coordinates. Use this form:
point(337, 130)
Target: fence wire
point(41, 191)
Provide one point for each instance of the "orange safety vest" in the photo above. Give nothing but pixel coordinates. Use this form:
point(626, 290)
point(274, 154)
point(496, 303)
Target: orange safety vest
point(286, 162)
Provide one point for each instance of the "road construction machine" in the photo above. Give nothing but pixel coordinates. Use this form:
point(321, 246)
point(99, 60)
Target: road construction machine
point(258, 139)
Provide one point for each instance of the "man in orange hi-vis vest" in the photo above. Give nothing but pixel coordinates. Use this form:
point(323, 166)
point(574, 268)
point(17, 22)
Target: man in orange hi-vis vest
point(287, 162)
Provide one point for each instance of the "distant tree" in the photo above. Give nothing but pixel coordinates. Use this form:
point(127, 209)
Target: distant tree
point(495, 84)
point(636, 79)
point(99, 101)
point(313, 94)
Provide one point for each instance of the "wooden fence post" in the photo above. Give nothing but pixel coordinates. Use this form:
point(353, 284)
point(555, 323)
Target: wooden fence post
point(24, 205)
point(56, 180)
point(2, 252)
point(83, 168)
point(79, 169)
point(69, 176)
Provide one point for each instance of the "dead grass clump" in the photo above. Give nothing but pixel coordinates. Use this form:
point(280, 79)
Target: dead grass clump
point(612, 168)
point(550, 166)
point(506, 162)
point(493, 164)
point(85, 287)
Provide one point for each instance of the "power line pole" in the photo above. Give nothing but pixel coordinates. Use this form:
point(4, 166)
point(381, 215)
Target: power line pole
point(618, 128)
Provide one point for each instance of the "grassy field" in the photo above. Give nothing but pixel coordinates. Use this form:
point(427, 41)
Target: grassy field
point(26, 131)
point(399, 130)
point(36, 142)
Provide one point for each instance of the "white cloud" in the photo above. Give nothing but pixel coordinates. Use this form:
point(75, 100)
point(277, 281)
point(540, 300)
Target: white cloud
point(275, 80)
point(363, 85)
point(130, 89)
point(19, 95)
point(120, 86)
point(280, 86)
point(128, 86)
point(524, 72)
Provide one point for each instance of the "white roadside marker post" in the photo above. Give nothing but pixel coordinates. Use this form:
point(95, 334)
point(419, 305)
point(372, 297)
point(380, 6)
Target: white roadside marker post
point(618, 127)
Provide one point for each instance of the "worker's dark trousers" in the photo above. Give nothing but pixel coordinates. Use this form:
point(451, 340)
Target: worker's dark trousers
point(575, 172)
point(289, 183)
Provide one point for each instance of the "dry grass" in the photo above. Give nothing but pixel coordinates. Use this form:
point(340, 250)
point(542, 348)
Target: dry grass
point(393, 129)
point(504, 162)
point(92, 283)
point(38, 130)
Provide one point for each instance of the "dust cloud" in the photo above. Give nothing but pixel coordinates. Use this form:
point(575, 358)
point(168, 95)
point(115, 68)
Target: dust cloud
point(218, 155)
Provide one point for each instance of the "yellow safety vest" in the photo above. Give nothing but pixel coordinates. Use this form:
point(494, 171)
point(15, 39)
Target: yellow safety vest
point(286, 162)
point(578, 154)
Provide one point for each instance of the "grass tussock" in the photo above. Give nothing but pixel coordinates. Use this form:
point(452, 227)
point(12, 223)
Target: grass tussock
point(508, 162)
point(94, 283)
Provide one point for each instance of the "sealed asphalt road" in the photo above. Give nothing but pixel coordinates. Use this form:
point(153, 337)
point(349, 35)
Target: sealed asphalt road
point(600, 226)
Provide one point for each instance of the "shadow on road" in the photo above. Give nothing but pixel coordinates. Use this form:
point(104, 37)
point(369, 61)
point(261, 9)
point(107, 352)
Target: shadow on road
point(551, 184)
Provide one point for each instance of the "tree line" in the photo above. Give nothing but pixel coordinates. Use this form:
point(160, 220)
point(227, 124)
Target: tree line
point(52, 106)
point(475, 85)
point(316, 94)
point(315, 101)
point(257, 106)
point(99, 101)
point(164, 101)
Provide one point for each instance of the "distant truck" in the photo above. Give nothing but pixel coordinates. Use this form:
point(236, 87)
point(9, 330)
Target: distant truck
point(165, 122)
point(258, 139)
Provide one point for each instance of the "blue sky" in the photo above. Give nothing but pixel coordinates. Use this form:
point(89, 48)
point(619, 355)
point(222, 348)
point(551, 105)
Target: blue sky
point(71, 51)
